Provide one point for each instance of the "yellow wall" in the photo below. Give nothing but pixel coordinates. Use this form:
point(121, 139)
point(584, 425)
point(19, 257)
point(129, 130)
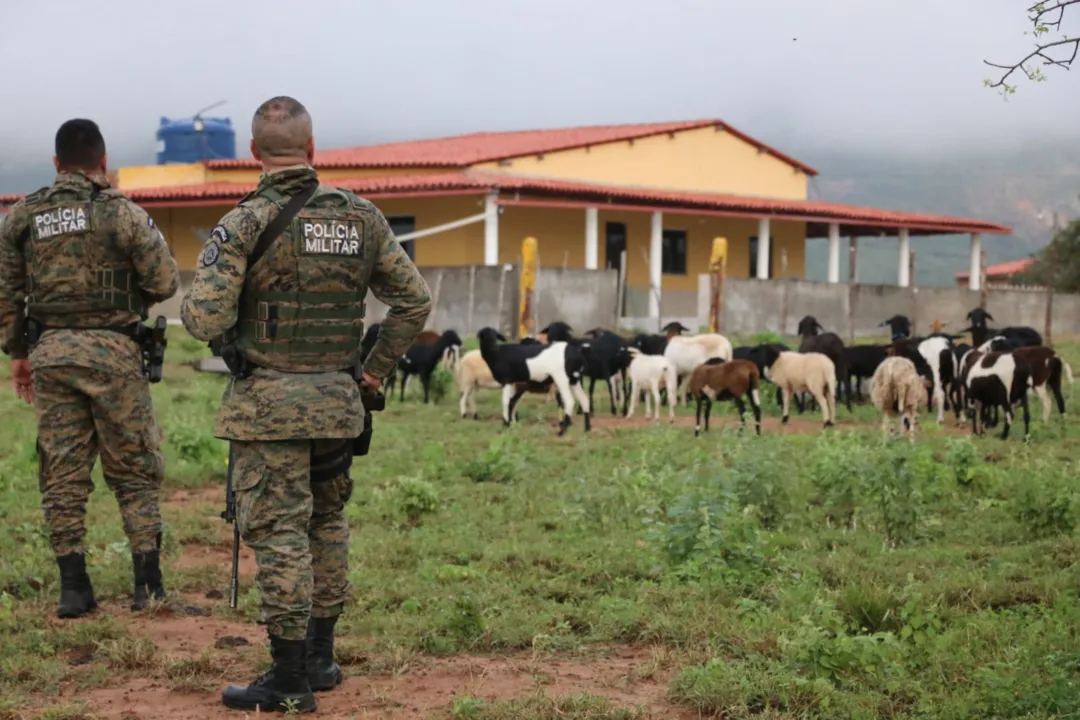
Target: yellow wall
point(142, 176)
point(560, 233)
point(704, 160)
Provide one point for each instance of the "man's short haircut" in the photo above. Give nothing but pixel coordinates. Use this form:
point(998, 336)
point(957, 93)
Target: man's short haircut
point(79, 144)
point(281, 128)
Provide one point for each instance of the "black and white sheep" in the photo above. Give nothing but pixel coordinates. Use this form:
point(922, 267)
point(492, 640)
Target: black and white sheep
point(1047, 370)
point(535, 365)
point(899, 327)
point(999, 380)
point(934, 354)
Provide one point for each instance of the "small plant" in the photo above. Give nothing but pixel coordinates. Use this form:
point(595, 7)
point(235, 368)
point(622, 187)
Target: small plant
point(499, 463)
point(441, 383)
point(415, 498)
point(963, 458)
point(1048, 507)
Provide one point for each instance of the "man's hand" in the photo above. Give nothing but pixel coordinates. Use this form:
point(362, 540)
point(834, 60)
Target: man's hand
point(372, 382)
point(22, 380)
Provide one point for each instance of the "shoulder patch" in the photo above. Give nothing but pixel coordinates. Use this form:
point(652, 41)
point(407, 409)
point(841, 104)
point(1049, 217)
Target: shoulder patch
point(220, 234)
point(210, 254)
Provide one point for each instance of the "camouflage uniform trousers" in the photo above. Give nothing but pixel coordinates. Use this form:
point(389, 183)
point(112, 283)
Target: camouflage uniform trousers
point(297, 529)
point(84, 412)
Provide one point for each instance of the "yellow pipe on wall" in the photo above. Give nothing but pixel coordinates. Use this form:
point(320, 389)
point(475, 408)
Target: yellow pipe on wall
point(526, 321)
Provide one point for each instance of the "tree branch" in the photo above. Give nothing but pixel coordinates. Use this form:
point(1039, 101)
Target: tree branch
point(1044, 17)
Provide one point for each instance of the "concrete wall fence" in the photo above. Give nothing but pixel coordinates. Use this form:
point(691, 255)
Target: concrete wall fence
point(468, 298)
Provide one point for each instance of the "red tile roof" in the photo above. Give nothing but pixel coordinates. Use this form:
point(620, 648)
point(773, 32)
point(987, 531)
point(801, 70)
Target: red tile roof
point(1006, 268)
point(460, 151)
point(857, 220)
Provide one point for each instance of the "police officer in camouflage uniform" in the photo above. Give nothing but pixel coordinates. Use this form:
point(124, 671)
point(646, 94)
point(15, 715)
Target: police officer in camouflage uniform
point(295, 318)
point(80, 264)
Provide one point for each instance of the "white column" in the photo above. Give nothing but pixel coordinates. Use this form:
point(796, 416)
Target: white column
point(976, 262)
point(834, 252)
point(656, 263)
point(491, 230)
point(905, 258)
point(763, 249)
point(592, 238)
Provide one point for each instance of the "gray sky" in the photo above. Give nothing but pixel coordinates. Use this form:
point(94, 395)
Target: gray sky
point(896, 75)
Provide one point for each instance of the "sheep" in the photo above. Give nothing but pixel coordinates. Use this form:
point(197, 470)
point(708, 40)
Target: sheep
point(422, 358)
point(510, 364)
point(936, 355)
point(863, 361)
point(1019, 335)
point(650, 344)
point(956, 391)
point(803, 372)
point(999, 380)
point(828, 344)
point(686, 353)
point(648, 374)
point(472, 373)
point(899, 326)
point(756, 355)
point(897, 386)
point(603, 359)
point(718, 380)
point(1046, 370)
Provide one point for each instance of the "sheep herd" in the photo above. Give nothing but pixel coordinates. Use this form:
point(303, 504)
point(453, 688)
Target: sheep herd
point(975, 381)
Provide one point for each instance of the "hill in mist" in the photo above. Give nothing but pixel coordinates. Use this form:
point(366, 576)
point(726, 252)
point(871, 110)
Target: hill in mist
point(1020, 187)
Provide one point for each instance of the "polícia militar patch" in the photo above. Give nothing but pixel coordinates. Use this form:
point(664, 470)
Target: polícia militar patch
point(210, 254)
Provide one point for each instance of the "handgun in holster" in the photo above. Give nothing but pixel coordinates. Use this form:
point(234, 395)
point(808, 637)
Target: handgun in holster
point(373, 402)
point(152, 343)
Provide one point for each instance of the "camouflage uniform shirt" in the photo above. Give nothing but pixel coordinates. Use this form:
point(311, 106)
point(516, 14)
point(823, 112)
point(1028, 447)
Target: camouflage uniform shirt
point(115, 219)
point(271, 405)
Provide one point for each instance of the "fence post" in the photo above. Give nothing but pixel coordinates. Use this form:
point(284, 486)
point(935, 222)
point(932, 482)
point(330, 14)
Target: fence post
point(622, 289)
point(914, 293)
point(499, 303)
point(472, 297)
point(1049, 294)
point(982, 279)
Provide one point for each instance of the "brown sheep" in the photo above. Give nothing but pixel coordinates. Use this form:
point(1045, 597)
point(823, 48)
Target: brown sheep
point(716, 379)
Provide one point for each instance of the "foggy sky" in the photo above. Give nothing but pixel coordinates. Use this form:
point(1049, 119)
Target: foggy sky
point(884, 75)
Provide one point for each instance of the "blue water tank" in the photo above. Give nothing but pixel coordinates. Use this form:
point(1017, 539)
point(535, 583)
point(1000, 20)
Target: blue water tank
point(191, 140)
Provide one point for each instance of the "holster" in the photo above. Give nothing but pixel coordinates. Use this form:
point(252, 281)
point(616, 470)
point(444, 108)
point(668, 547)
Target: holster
point(329, 459)
point(152, 343)
point(32, 331)
point(373, 402)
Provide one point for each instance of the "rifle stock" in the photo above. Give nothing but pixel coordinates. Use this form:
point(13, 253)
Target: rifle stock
point(229, 515)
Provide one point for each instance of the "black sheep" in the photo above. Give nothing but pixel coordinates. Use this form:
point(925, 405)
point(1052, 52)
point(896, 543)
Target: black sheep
point(863, 361)
point(422, 359)
point(1017, 335)
point(899, 325)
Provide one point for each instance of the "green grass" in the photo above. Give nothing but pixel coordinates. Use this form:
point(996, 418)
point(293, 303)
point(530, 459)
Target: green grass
point(831, 575)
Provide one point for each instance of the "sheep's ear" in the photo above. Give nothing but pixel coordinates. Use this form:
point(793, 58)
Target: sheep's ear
point(500, 337)
point(990, 317)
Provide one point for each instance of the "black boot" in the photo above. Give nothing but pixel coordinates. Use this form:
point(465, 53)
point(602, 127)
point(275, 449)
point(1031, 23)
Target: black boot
point(284, 687)
point(146, 568)
point(76, 593)
point(322, 672)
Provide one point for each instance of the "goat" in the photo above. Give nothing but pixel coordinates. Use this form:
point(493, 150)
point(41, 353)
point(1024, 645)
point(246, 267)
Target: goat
point(830, 345)
point(422, 358)
point(650, 344)
point(719, 380)
point(899, 326)
point(999, 380)
point(1019, 335)
point(472, 373)
point(803, 372)
point(897, 386)
point(648, 374)
point(510, 364)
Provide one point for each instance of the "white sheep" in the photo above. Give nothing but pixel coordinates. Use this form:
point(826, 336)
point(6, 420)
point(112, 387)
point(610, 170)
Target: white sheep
point(686, 352)
point(649, 373)
point(896, 386)
point(811, 372)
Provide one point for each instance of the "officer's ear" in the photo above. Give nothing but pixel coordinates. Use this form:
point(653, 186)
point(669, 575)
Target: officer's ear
point(56, 164)
point(105, 164)
point(255, 151)
point(310, 150)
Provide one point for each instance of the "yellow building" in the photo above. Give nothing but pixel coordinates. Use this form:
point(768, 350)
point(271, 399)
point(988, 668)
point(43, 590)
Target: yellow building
point(654, 194)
